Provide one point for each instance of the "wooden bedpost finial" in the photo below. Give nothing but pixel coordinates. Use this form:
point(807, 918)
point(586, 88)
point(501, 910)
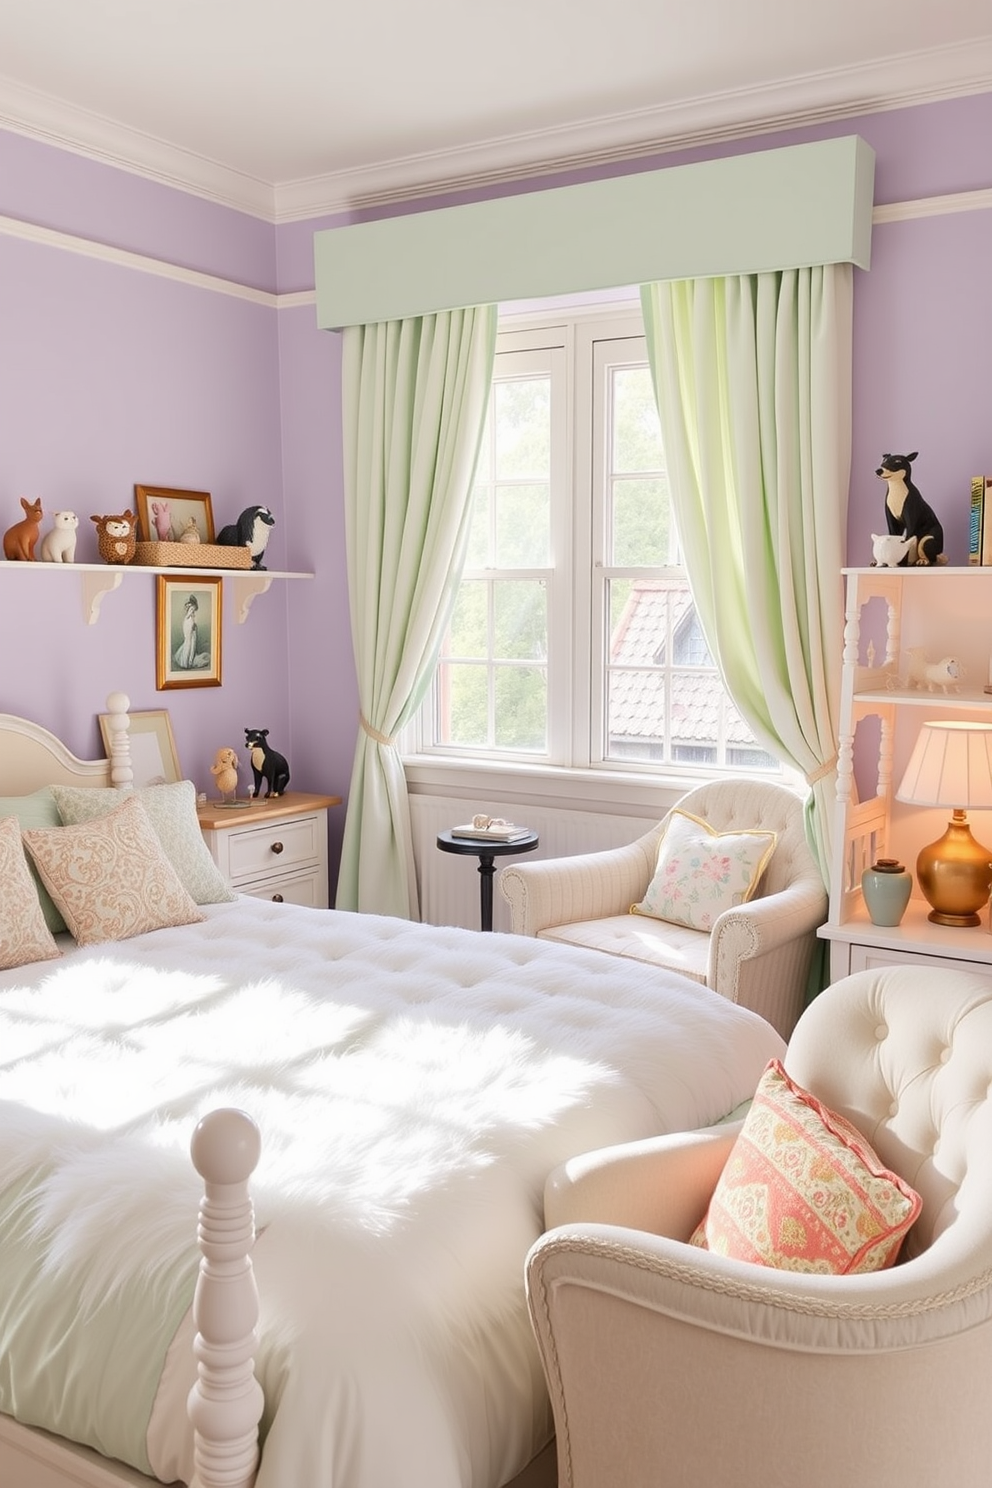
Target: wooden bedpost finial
point(226, 1146)
point(118, 723)
point(226, 1402)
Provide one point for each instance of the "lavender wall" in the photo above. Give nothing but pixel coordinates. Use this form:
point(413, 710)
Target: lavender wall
point(110, 376)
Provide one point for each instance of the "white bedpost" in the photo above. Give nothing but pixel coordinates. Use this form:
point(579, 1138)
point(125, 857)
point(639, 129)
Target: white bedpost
point(118, 723)
point(225, 1404)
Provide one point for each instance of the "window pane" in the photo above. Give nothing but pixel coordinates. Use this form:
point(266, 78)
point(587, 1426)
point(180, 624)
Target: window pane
point(521, 708)
point(462, 705)
point(636, 431)
point(468, 630)
point(477, 553)
point(522, 421)
point(642, 535)
point(521, 620)
point(523, 526)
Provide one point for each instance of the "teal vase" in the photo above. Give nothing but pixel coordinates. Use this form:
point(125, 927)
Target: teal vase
point(886, 887)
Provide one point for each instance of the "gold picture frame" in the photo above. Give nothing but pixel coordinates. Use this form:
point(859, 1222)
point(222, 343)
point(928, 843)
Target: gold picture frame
point(181, 508)
point(154, 757)
point(188, 615)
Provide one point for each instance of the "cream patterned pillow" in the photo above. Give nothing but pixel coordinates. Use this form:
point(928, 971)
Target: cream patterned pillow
point(700, 873)
point(37, 810)
point(111, 878)
point(172, 812)
point(24, 936)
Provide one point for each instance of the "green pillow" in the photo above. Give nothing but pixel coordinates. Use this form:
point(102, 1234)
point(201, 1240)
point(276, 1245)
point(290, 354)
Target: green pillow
point(37, 810)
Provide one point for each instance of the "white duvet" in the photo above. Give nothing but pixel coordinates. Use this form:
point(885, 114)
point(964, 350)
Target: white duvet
point(413, 1086)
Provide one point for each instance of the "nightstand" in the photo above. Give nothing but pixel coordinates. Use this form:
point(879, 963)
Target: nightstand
point(272, 849)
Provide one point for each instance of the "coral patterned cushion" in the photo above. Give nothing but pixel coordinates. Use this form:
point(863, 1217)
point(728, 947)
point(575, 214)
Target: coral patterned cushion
point(110, 878)
point(700, 872)
point(24, 936)
point(802, 1190)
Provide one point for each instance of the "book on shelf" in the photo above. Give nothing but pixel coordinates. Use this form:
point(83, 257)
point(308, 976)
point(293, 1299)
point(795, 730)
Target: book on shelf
point(980, 522)
point(507, 833)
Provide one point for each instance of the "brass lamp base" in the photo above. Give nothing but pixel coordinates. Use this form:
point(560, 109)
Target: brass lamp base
point(955, 874)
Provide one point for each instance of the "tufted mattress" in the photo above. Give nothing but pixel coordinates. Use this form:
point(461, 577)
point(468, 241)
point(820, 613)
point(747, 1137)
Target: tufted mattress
point(413, 1085)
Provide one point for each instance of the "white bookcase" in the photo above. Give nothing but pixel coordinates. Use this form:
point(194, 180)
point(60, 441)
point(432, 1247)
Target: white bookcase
point(889, 612)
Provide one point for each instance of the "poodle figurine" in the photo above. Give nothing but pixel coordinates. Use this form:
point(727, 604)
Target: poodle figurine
point(225, 772)
point(906, 512)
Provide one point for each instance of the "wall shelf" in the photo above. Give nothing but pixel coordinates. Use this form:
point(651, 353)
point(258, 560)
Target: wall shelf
point(99, 579)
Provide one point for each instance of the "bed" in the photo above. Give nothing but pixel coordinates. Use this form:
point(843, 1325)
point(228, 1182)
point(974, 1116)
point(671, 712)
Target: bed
point(412, 1085)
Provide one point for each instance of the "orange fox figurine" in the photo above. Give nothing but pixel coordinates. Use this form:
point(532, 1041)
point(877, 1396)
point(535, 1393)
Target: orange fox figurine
point(19, 540)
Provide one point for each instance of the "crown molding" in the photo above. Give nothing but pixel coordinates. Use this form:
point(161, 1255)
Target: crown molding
point(42, 117)
point(894, 82)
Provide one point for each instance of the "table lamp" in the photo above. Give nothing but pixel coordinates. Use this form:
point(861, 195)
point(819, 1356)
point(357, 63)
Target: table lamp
point(951, 765)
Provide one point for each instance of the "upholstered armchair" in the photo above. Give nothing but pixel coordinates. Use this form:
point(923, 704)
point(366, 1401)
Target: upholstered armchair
point(671, 1366)
point(757, 954)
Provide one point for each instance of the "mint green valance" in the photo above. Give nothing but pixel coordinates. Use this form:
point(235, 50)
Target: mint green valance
point(768, 210)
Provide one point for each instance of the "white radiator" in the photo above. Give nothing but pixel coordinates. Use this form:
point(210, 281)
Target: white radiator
point(449, 884)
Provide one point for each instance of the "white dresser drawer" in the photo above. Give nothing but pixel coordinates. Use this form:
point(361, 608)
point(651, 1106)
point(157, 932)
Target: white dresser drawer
point(306, 887)
point(272, 846)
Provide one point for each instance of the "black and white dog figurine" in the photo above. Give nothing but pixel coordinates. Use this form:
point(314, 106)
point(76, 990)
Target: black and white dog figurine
point(266, 764)
point(250, 531)
point(906, 512)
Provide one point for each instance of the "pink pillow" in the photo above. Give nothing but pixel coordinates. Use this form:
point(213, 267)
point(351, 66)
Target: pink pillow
point(803, 1190)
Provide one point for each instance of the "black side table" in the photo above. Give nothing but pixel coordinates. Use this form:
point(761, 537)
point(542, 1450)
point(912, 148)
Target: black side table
point(485, 852)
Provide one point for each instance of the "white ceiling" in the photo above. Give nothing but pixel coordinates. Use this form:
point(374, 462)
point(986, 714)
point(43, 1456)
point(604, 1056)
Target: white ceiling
point(286, 107)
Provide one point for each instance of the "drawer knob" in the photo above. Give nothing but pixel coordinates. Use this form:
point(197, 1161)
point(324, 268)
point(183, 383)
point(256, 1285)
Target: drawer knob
point(277, 899)
point(277, 847)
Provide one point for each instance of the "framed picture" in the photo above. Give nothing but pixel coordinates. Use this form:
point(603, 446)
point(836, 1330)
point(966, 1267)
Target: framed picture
point(187, 631)
point(154, 759)
point(165, 514)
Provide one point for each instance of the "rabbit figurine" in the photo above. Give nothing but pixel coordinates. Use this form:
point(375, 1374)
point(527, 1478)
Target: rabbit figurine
point(19, 540)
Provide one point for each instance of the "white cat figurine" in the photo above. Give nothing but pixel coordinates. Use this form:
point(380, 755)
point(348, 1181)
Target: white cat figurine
point(59, 545)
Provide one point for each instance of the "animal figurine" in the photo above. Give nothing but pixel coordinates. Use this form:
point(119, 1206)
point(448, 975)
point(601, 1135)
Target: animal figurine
point(906, 512)
point(19, 540)
point(892, 552)
point(162, 518)
point(59, 545)
point(225, 772)
point(116, 537)
point(266, 764)
point(190, 533)
point(251, 531)
point(931, 675)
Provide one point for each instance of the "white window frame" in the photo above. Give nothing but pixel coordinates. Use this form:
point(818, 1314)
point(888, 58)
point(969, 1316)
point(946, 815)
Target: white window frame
point(576, 767)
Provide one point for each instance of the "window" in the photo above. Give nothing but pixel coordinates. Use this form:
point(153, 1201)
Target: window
point(574, 641)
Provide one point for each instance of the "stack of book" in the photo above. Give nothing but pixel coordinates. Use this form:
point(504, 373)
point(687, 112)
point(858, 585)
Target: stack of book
point(980, 525)
point(496, 832)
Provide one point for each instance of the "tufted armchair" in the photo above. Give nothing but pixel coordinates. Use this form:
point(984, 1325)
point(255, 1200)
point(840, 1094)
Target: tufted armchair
point(757, 954)
point(671, 1366)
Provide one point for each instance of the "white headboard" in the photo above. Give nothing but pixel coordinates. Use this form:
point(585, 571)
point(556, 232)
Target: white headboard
point(31, 757)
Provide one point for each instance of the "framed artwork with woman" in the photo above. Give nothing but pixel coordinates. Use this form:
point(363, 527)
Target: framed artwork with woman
point(188, 631)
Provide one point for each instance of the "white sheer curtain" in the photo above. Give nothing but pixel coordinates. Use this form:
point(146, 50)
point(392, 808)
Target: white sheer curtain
point(753, 380)
point(414, 402)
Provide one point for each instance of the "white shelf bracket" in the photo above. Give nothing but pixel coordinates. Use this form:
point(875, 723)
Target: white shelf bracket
point(95, 586)
point(246, 588)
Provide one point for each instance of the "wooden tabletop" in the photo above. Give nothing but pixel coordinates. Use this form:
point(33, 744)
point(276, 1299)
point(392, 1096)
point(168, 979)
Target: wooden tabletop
point(294, 803)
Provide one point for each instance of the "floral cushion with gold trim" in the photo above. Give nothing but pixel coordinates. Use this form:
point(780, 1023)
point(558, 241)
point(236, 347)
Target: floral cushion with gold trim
point(802, 1190)
point(24, 936)
point(110, 877)
point(700, 872)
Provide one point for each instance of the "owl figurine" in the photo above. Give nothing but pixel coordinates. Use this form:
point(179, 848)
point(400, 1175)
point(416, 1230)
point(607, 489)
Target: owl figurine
point(116, 537)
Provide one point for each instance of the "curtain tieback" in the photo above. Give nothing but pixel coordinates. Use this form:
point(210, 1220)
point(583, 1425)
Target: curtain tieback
point(825, 769)
point(374, 733)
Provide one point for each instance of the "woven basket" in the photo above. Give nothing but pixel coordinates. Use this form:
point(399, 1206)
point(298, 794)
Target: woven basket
point(190, 555)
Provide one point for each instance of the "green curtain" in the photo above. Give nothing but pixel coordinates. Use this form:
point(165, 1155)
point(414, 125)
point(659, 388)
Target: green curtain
point(752, 376)
point(414, 400)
